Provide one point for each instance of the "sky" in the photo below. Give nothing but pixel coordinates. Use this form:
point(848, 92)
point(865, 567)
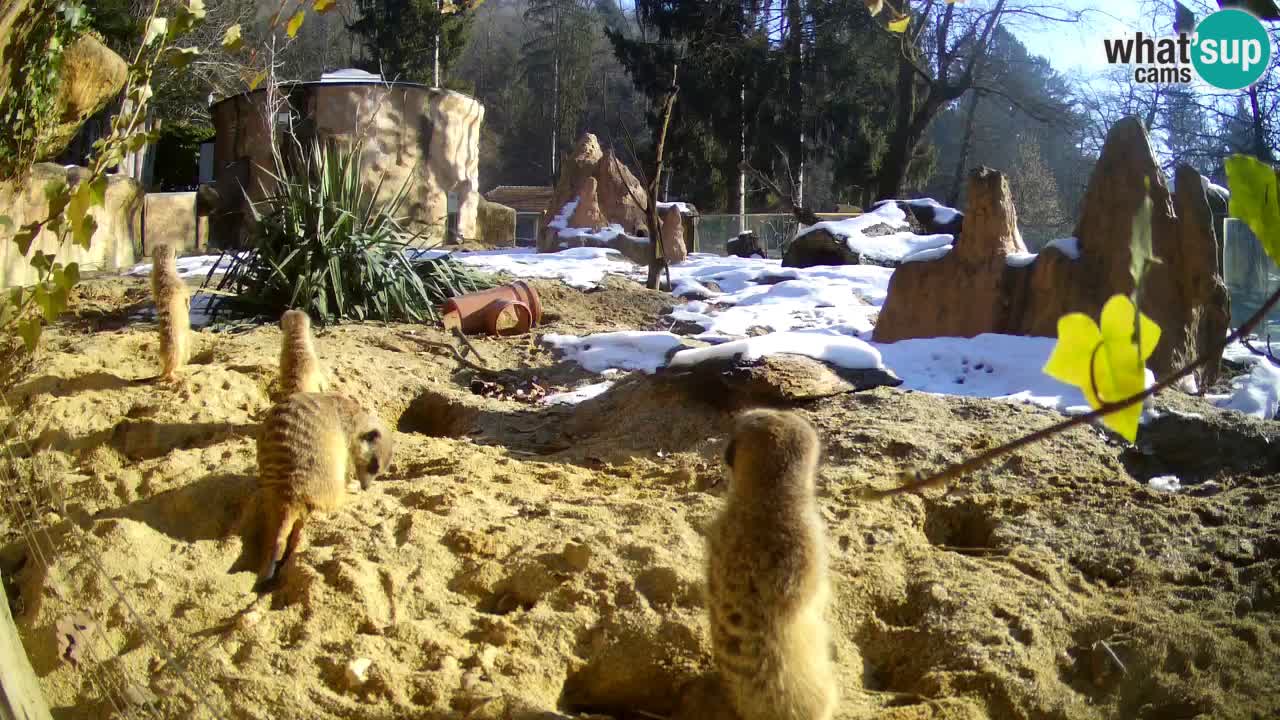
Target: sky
point(1077, 47)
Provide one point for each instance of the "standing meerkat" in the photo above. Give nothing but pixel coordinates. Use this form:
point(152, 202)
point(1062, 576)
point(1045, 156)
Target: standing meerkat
point(306, 446)
point(173, 310)
point(767, 586)
point(300, 369)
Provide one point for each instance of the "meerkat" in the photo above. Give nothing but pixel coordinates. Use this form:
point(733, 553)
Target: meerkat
point(767, 586)
point(300, 369)
point(306, 446)
point(173, 310)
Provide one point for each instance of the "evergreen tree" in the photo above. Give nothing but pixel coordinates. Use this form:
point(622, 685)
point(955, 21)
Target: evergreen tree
point(1035, 197)
point(401, 37)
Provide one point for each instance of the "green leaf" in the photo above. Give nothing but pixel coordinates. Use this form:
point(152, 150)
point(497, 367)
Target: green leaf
point(182, 57)
point(1254, 200)
point(5, 223)
point(82, 224)
point(72, 274)
point(25, 236)
point(57, 194)
point(30, 330)
point(98, 191)
point(231, 40)
point(295, 23)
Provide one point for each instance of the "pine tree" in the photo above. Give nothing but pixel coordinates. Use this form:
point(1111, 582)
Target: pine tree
point(401, 37)
point(1035, 196)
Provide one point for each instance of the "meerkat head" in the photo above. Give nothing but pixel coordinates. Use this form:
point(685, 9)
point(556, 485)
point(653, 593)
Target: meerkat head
point(163, 254)
point(773, 447)
point(371, 450)
point(293, 320)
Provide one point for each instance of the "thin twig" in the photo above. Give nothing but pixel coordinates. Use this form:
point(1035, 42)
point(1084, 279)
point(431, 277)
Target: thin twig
point(457, 354)
point(467, 342)
point(978, 461)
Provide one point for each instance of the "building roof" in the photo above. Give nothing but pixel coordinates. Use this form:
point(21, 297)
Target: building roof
point(522, 198)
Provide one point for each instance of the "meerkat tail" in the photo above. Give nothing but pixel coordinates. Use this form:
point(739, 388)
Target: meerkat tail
point(282, 530)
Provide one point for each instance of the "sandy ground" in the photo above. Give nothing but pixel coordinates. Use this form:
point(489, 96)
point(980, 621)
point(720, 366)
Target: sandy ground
point(529, 562)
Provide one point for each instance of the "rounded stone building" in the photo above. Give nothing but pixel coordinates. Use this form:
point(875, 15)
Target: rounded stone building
point(428, 135)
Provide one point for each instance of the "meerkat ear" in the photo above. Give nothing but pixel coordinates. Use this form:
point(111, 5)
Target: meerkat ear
point(728, 452)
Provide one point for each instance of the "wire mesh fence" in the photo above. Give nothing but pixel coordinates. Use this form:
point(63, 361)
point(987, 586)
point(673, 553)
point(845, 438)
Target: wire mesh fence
point(1250, 274)
point(773, 230)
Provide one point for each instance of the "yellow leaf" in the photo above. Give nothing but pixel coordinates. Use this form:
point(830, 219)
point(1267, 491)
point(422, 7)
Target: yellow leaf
point(257, 80)
point(323, 6)
point(875, 6)
point(900, 25)
point(295, 23)
point(231, 40)
point(157, 28)
point(1105, 362)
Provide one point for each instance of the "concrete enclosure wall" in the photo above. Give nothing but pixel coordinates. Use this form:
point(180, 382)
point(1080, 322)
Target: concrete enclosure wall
point(116, 243)
point(425, 136)
point(170, 218)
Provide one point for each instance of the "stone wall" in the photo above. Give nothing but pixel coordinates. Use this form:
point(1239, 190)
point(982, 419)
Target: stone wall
point(170, 218)
point(429, 138)
point(116, 244)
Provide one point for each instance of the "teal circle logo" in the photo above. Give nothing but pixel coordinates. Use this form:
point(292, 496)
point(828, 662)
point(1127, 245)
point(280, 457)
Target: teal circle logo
point(1232, 49)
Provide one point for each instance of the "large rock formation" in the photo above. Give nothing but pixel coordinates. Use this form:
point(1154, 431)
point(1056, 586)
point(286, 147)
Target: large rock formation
point(674, 249)
point(587, 214)
point(91, 73)
point(116, 243)
point(988, 283)
point(620, 196)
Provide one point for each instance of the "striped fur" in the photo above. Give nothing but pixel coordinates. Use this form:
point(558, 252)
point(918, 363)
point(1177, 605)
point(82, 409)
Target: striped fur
point(173, 311)
point(306, 447)
point(300, 369)
point(767, 587)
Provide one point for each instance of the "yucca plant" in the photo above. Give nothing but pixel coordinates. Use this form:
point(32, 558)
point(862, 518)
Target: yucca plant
point(325, 243)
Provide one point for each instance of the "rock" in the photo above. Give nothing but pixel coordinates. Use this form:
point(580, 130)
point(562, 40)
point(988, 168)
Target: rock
point(974, 290)
point(587, 214)
point(495, 224)
point(933, 218)
point(92, 74)
point(118, 239)
point(171, 219)
point(745, 245)
point(819, 247)
point(619, 196)
point(780, 379)
point(356, 673)
point(673, 246)
point(636, 249)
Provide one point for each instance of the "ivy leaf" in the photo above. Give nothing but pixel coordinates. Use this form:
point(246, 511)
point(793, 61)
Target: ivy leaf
point(323, 6)
point(98, 191)
point(196, 8)
point(71, 273)
point(1105, 362)
point(295, 23)
point(900, 25)
point(257, 80)
point(25, 236)
point(182, 57)
point(57, 194)
point(231, 40)
point(82, 224)
point(1253, 186)
point(157, 28)
point(29, 330)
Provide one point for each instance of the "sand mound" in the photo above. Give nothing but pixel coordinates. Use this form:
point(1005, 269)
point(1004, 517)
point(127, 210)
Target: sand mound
point(520, 561)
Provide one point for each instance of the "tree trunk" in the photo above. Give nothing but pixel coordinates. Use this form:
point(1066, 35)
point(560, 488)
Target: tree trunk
point(912, 122)
point(795, 95)
point(657, 262)
point(20, 697)
point(1260, 149)
point(953, 195)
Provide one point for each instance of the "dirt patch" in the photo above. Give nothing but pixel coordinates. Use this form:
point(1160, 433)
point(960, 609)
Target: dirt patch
point(520, 561)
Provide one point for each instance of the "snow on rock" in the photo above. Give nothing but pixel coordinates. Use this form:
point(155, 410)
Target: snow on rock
point(941, 213)
point(567, 236)
point(1165, 483)
point(1256, 394)
point(582, 268)
point(1069, 246)
point(927, 254)
point(561, 220)
point(626, 350)
point(840, 350)
point(1020, 259)
point(681, 207)
point(891, 247)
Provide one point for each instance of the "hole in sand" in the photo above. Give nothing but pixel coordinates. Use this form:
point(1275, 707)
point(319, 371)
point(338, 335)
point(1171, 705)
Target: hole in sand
point(437, 415)
point(960, 527)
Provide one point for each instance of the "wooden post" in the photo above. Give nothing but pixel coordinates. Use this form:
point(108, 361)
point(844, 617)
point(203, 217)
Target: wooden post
point(20, 696)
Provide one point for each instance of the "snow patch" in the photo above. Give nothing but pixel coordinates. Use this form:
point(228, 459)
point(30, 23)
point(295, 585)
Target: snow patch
point(1020, 259)
point(682, 207)
point(1069, 246)
point(573, 397)
point(928, 254)
point(941, 213)
point(846, 352)
point(892, 247)
point(626, 350)
point(1256, 394)
point(1165, 483)
point(582, 268)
